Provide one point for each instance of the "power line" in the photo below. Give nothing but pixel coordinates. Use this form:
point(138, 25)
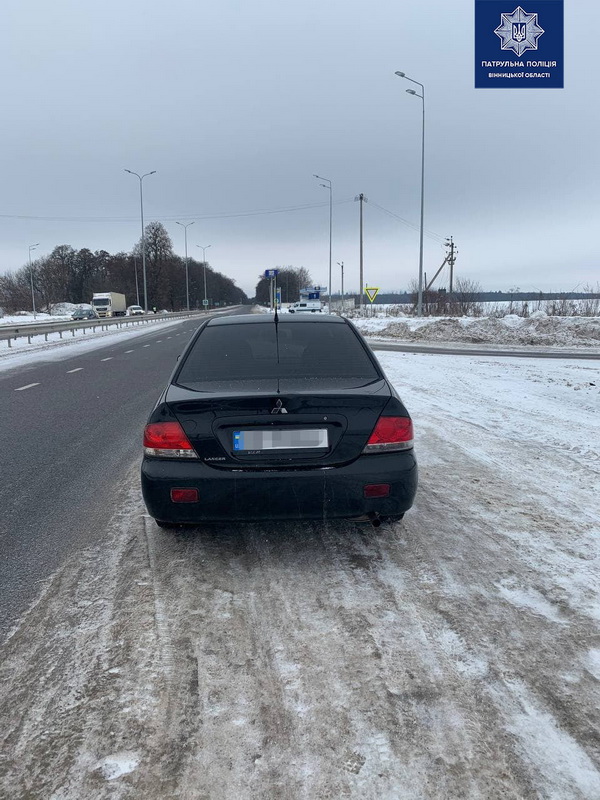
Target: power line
point(174, 218)
point(430, 234)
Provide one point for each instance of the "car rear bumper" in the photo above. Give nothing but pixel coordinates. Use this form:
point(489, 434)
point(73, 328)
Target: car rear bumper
point(232, 495)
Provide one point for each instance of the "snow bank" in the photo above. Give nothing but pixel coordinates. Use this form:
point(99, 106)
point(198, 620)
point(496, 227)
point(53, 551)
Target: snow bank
point(28, 318)
point(537, 330)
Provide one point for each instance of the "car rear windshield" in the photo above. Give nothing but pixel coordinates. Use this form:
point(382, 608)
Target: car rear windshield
point(231, 353)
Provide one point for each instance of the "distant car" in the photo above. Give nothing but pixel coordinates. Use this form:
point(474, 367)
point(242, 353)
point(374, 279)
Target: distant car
point(313, 306)
point(274, 420)
point(133, 311)
point(84, 313)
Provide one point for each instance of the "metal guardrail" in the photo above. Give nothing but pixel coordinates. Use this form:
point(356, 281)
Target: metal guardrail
point(28, 330)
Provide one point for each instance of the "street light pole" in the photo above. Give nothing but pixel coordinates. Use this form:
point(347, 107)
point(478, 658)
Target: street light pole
point(329, 186)
point(137, 288)
point(422, 96)
point(187, 277)
point(141, 179)
point(32, 247)
point(362, 199)
point(341, 265)
point(204, 249)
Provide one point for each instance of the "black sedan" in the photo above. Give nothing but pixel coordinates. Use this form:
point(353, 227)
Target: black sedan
point(268, 418)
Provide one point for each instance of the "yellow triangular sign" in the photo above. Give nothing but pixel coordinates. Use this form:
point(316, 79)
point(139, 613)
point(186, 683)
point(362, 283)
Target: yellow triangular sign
point(371, 292)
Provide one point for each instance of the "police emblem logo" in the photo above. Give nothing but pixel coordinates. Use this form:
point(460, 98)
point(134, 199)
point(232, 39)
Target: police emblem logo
point(519, 31)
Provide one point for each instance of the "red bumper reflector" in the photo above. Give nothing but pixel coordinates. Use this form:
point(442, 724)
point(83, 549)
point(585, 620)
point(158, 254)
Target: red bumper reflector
point(184, 495)
point(377, 490)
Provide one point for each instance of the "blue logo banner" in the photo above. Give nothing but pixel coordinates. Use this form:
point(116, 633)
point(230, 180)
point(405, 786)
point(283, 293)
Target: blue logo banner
point(519, 46)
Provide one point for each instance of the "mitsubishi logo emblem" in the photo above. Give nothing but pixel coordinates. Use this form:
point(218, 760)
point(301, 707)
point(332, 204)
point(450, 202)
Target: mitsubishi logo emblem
point(279, 409)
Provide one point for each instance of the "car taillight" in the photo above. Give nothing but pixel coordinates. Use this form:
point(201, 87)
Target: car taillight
point(167, 440)
point(390, 433)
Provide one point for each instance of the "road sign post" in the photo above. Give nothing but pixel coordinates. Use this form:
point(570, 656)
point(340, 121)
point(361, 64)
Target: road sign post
point(272, 274)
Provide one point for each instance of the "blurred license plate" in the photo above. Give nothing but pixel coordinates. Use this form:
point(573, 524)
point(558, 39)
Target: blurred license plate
point(291, 439)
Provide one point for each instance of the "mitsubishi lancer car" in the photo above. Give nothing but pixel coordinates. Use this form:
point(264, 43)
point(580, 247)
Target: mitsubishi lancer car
point(277, 418)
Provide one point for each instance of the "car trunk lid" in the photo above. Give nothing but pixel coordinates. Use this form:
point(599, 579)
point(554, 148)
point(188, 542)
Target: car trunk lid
point(307, 423)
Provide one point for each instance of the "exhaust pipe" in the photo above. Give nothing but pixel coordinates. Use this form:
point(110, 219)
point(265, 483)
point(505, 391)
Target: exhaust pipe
point(375, 519)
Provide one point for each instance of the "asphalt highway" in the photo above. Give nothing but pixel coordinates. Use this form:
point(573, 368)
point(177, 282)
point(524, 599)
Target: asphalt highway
point(475, 351)
point(69, 432)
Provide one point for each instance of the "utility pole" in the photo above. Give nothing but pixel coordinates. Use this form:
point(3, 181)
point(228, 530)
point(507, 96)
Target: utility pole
point(32, 247)
point(451, 260)
point(204, 248)
point(422, 97)
point(187, 274)
point(141, 180)
point(341, 265)
point(137, 288)
point(362, 199)
point(328, 185)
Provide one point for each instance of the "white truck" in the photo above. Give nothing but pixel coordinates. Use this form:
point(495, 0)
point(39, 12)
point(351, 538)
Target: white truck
point(109, 304)
point(313, 306)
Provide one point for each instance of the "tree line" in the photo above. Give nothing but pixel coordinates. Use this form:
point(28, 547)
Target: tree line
point(69, 275)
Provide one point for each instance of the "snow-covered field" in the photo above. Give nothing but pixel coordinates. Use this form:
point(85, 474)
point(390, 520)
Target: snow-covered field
point(454, 655)
point(538, 330)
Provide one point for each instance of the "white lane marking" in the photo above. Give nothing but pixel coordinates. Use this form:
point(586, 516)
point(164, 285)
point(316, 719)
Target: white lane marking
point(106, 359)
point(146, 345)
point(169, 337)
point(128, 351)
point(77, 369)
point(158, 341)
point(29, 385)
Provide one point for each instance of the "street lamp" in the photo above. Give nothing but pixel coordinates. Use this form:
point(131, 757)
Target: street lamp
point(187, 277)
point(328, 186)
point(204, 249)
point(32, 247)
point(422, 96)
point(141, 178)
point(341, 264)
point(137, 288)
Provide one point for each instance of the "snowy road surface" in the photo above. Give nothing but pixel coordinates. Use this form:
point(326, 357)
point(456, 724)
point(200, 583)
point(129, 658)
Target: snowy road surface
point(454, 655)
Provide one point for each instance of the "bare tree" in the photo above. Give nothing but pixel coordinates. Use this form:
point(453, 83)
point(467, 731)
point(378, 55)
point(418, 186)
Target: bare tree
point(464, 300)
point(590, 306)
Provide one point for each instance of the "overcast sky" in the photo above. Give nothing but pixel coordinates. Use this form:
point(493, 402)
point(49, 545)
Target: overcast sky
point(237, 104)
